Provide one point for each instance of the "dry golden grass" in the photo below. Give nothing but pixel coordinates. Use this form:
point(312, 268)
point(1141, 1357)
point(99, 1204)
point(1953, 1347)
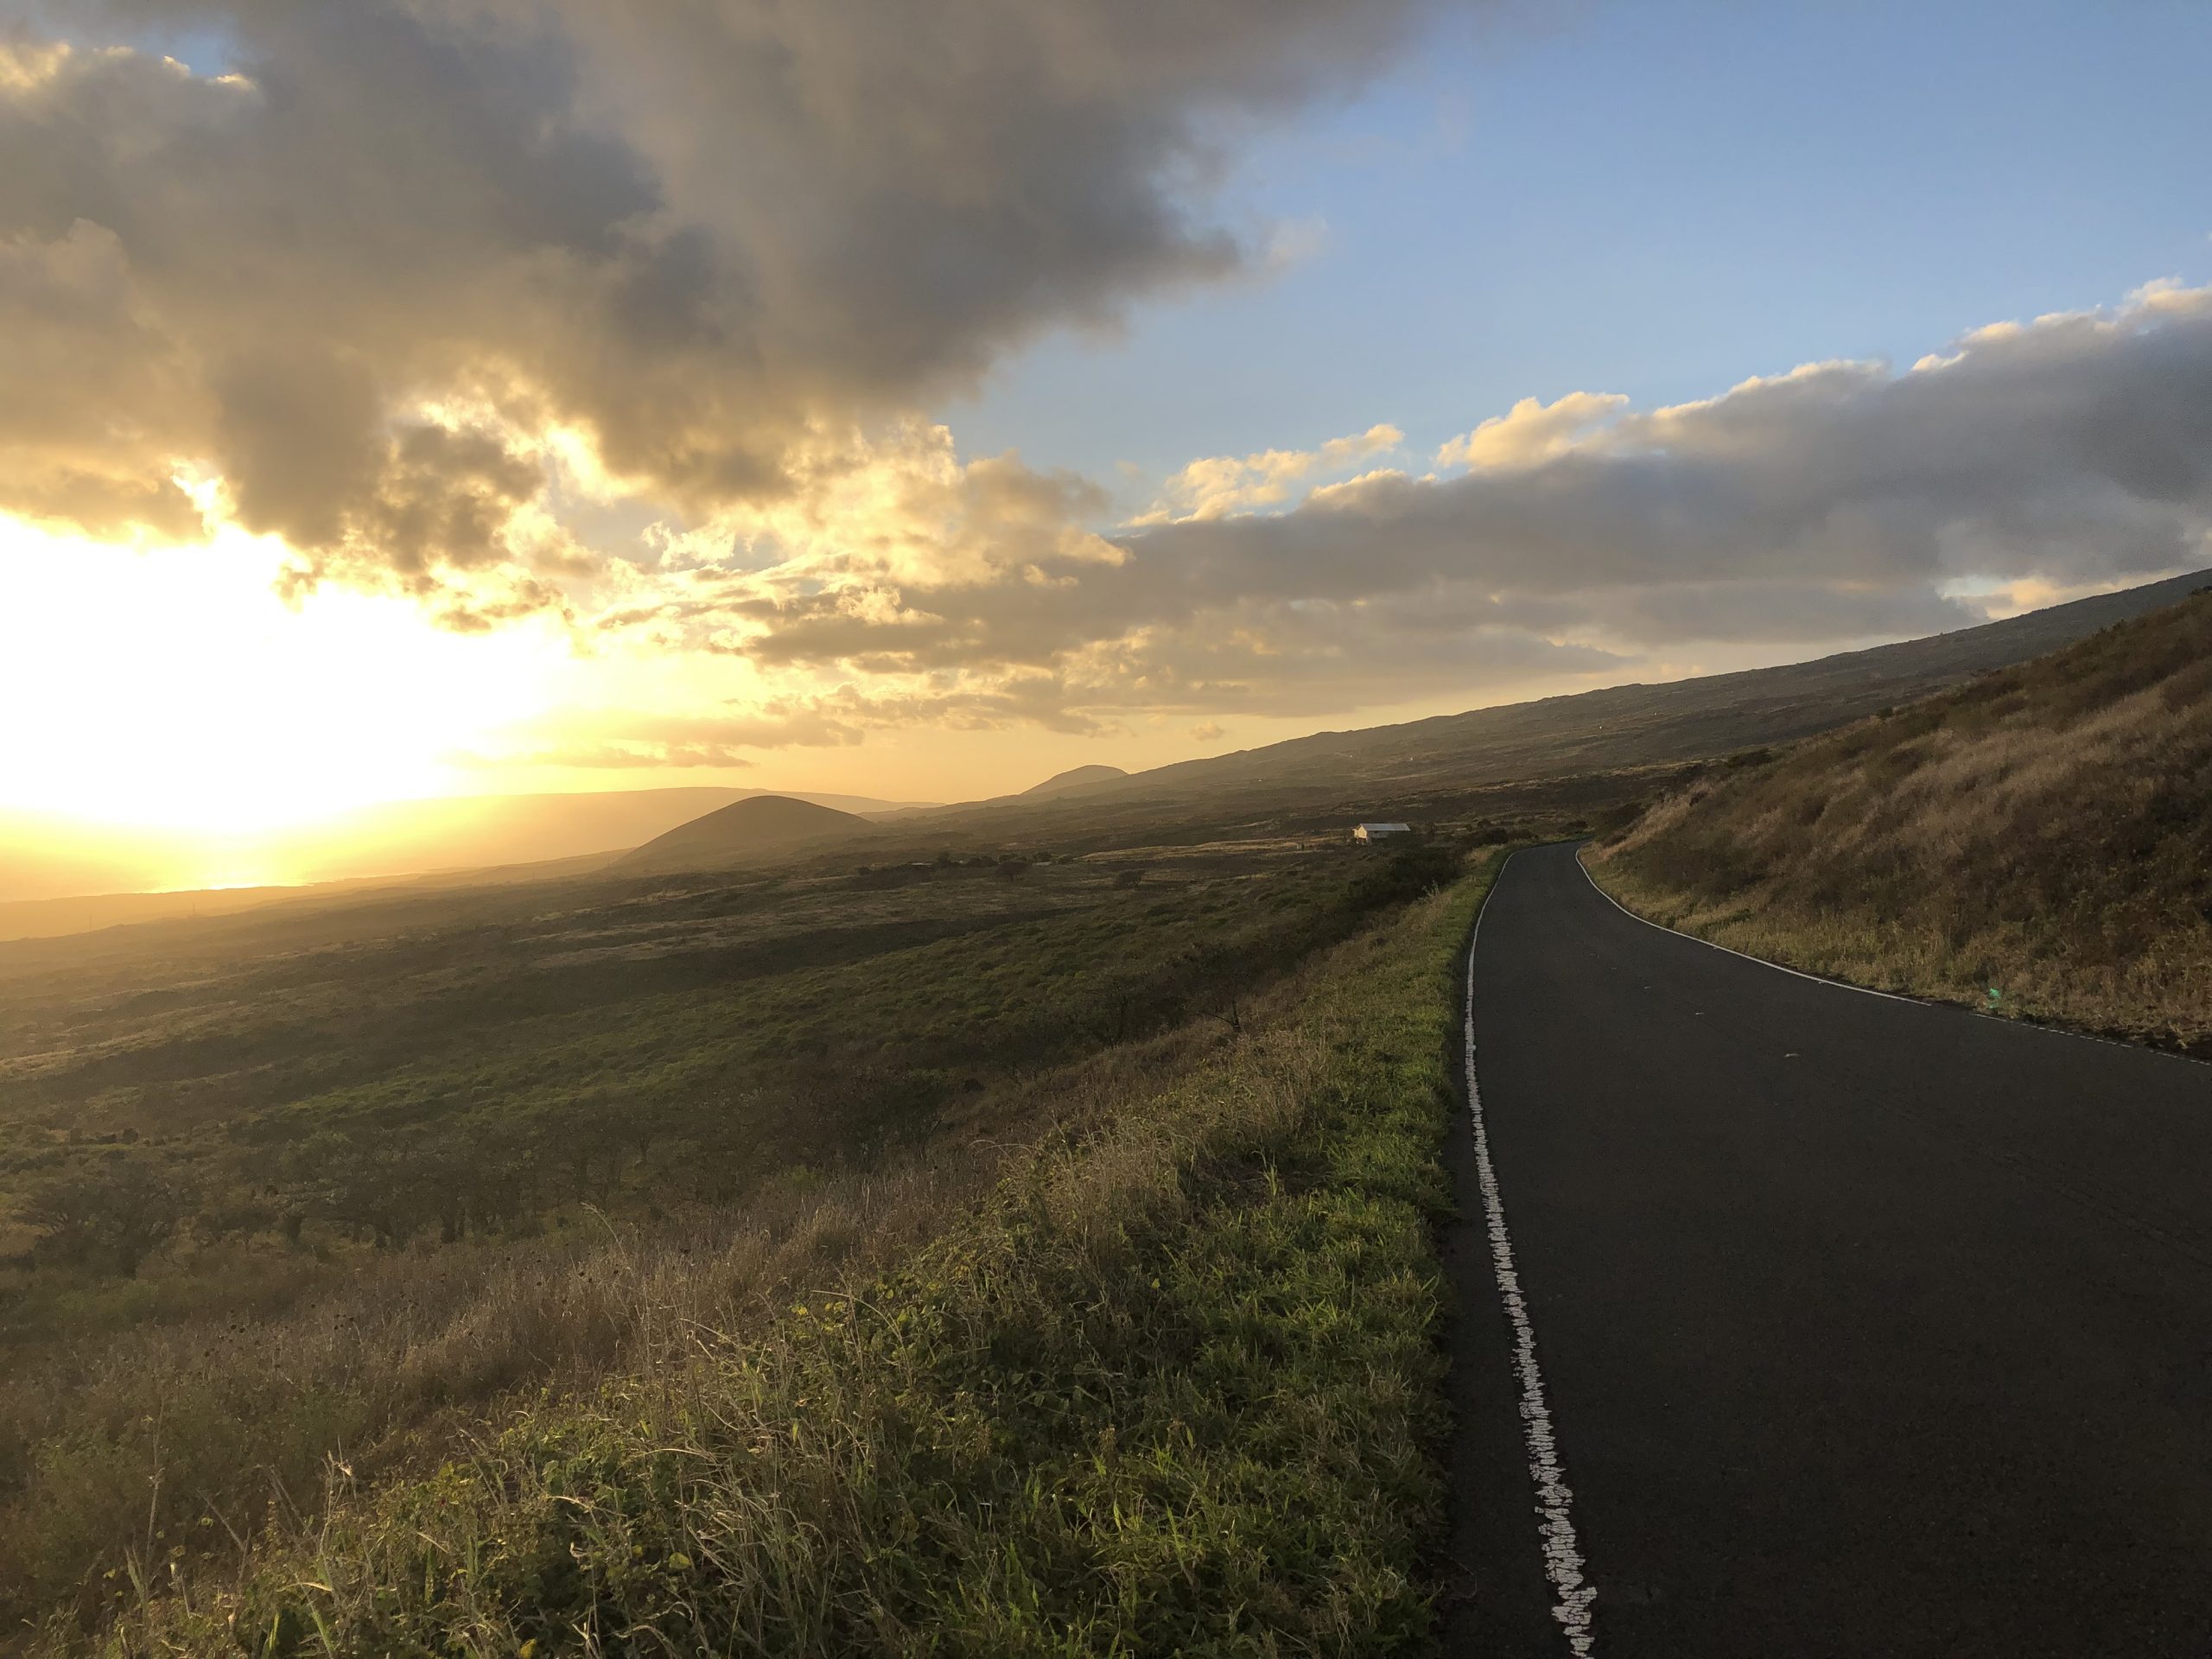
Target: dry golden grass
point(2038, 844)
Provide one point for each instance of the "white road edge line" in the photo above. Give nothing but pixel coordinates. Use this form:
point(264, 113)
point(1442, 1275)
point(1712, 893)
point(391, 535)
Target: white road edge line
point(1868, 990)
point(1563, 1562)
point(1794, 973)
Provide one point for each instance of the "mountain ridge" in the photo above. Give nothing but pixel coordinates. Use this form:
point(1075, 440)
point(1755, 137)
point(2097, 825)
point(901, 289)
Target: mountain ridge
point(1074, 778)
point(1611, 727)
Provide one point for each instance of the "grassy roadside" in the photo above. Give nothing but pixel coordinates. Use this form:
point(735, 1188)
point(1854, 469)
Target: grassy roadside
point(2030, 970)
point(2037, 844)
point(1172, 1387)
point(664, 1161)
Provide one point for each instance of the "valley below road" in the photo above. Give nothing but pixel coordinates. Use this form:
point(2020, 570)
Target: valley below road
point(1863, 1327)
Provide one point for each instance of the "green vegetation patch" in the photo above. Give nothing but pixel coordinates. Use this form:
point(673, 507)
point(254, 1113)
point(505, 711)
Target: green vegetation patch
point(1173, 1387)
point(529, 1186)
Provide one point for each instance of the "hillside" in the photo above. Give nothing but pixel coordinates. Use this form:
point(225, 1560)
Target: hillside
point(741, 832)
point(487, 1162)
point(1441, 764)
point(2038, 844)
point(1171, 1386)
point(481, 830)
point(1075, 778)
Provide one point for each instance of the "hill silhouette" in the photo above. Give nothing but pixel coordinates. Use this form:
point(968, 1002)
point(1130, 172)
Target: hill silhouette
point(1075, 778)
point(1435, 763)
point(2039, 841)
point(740, 832)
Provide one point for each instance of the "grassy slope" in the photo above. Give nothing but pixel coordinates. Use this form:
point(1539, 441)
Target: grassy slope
point(1170, 1387)
point(727, 1137)
point(2045, 831)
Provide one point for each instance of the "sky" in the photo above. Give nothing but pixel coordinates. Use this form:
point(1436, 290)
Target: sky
point(412, 397)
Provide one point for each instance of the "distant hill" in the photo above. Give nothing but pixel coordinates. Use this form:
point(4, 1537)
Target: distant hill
point(46, 856)
point(741, 832)
point(1075, 778)
point(1386, 770)
point(2044, 833)
point(488, 830)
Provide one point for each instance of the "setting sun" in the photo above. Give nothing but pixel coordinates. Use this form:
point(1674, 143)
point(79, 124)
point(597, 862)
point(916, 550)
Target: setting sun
point(173, 688)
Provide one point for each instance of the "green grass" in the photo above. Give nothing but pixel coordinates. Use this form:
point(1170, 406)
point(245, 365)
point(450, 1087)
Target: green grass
point(520, 1197)
point(1171, 1386)
point(458, 1081)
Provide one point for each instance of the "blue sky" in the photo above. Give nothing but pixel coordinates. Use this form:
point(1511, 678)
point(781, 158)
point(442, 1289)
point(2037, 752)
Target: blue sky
point(1659, 198)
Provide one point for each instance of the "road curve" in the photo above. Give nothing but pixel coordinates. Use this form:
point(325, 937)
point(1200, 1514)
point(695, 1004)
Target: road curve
point(1866, 1327)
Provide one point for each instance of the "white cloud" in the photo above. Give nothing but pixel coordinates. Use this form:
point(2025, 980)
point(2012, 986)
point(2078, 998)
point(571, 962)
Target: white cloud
point(1216, 486)
point(1532, 432)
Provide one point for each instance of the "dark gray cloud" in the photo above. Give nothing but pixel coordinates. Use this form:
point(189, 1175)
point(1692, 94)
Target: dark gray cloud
point(717, 237)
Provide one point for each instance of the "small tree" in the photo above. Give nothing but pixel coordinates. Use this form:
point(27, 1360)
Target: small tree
point(112, 1214)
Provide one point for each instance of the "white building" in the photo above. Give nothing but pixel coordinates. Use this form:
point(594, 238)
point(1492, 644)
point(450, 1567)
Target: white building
point(1380, 831)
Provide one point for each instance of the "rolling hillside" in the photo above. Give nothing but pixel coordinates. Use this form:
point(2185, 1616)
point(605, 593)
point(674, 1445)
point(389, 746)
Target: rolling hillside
point(493, 829)
point(1441, 761)
point(741, 832)
point(2037, 844)
point(458, 1156)
point(1075, 778)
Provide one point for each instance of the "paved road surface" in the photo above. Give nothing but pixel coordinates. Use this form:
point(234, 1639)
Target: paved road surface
point(1864, 1327)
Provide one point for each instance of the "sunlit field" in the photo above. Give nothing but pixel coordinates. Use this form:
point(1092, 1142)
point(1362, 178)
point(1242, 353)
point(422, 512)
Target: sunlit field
point(433, 1151)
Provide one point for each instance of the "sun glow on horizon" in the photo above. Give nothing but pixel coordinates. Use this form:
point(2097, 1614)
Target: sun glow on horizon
point(172, 689)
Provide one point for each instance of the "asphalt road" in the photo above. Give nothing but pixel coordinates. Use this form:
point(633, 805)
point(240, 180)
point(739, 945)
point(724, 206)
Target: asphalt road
point(1864, 1327)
